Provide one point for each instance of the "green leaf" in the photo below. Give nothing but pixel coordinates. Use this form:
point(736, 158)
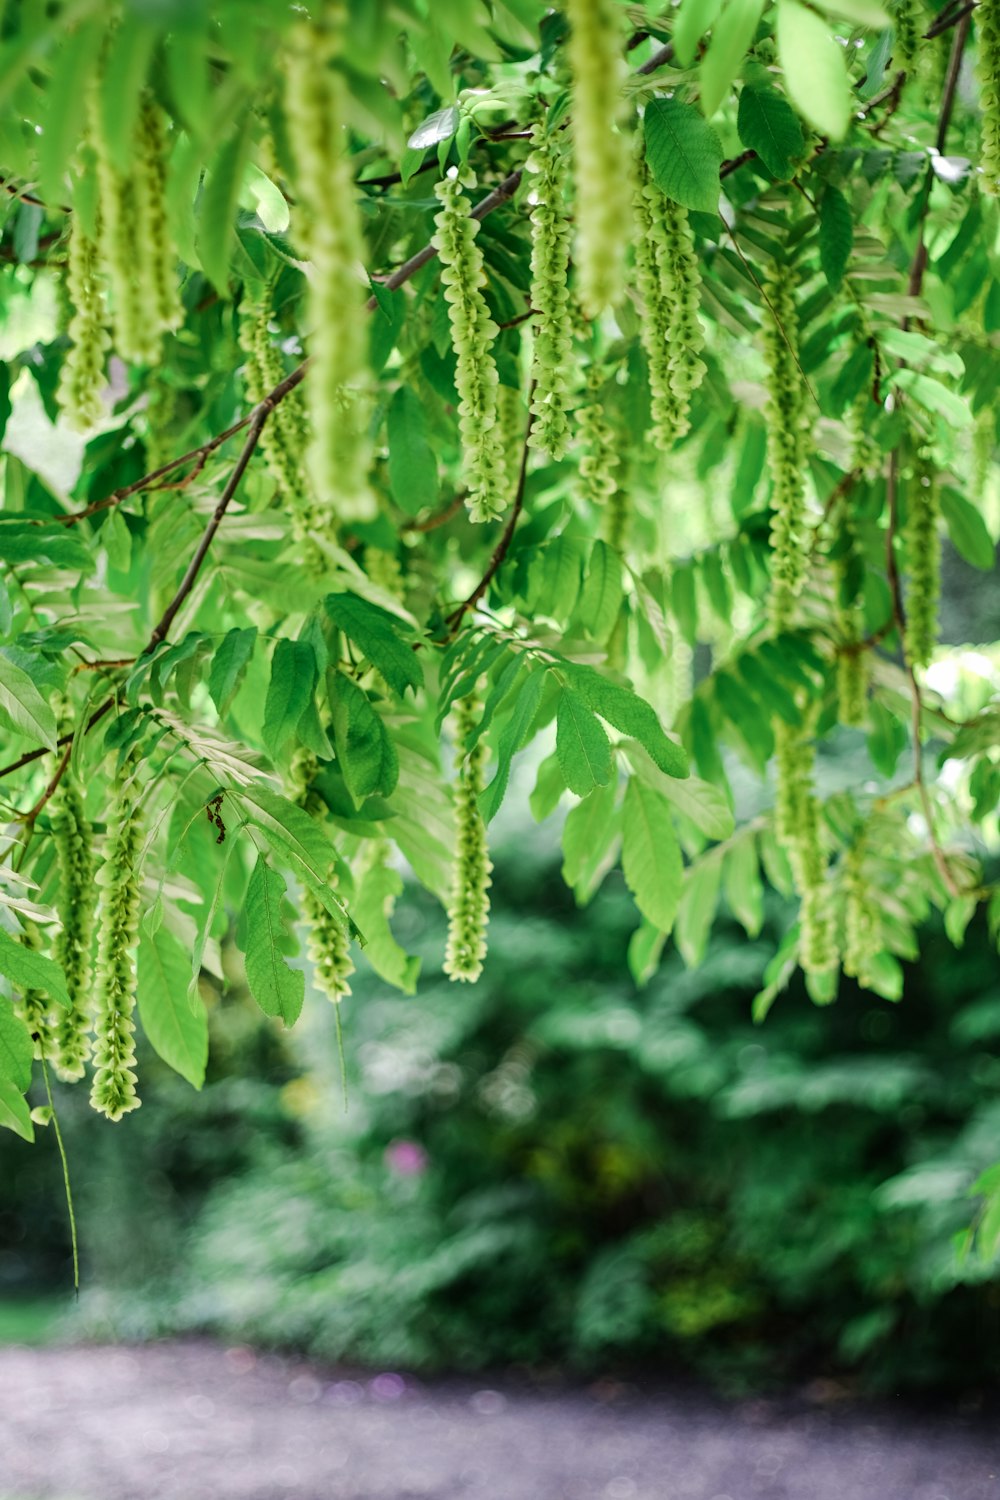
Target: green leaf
point(645, 949)
point(289, 691)
point(514, 735)
point(967, 529)
point(277, 988)
point(815, 69)
point(743, 885)
point(229, 666)
point(588, 836)
point(684, 154)
point(887, 738)
point(768, 125)
point(413, 474)
point(219, 201)
point(706, 805)
point(933, 396)
point(651, 856)
point(14, 1111)
point(130, 47)
point(66, 109)
point(582, 746)
point(377, 634)
point(28, 970)
point(16, 1048)
point(601, 596)
point(365, 753)
point(172, 1017)
point(696, 909)
point(22, 706)
point(377, 890)
point(629, 714)
point(726, 51)
point(20, 543)
point(438, 127)
point(836, 235)
point(861, 12)
point(293, 834)
point(693, 19)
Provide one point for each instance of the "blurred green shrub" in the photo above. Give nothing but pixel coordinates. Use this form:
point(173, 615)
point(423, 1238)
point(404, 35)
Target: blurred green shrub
point(553, 1167)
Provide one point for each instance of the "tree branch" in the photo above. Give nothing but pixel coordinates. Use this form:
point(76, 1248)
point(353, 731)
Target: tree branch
point(950, 16)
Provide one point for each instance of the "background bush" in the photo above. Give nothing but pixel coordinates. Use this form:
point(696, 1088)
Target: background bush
point(556, 1167)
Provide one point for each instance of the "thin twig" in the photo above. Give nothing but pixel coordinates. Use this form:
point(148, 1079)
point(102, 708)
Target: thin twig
point(919, 265)
point(440, 517)
point(949, 17)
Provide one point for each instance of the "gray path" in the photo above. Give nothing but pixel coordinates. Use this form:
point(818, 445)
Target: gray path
point(198, 1422)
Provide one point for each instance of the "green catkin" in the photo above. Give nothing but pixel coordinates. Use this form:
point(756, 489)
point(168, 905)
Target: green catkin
point(988, 25)
point(907, 28)
point(852, 672)
point(601, 151)
point(330, 233)
point(472, 335)
point(511, 418)
point(469, 907)
point(285, 435)
point(861, 937)
point(157, 252)
point(553, 325)
point(72, 833)
point(599, 454)
point(34, 1008)
point(81, 380)
point(328, 943)
point(797, 825)
point(113, 1092)
point(786, 450)
point(385, 571)
point(138, 256)
point(669, 283)
point(923, 549)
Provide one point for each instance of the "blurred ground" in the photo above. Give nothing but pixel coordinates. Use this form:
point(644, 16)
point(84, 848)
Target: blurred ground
point(199, 1422)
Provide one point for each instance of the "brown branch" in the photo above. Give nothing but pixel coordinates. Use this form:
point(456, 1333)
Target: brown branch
point(502, 546)
point(29, 817)
point(439, 518)
point(949, 17)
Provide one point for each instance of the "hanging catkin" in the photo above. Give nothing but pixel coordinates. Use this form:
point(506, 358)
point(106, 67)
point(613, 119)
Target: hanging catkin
point(988, 26)
point(472, 335)
point(599, 452)
point(786, 392)
point(329, 230)
point(285, 435)
point(797, 824)
point(34, 1008)
point(74, 852)
point(553, 326)
point(81, 380)
point(469, 907)
point(328, 942)
point(923, 551)
point(113, 1092)
point(138, 256)
point(669, 281)
point(601, 151)
point(861, 936)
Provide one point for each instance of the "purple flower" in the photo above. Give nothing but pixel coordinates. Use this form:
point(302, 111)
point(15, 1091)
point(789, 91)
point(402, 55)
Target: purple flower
point(406, 1158)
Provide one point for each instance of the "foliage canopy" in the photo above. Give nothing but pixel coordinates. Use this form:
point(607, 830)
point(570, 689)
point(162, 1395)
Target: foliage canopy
point(455, 377)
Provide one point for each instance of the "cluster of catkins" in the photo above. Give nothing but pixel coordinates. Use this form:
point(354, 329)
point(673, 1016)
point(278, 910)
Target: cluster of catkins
point(669, 283)
point(121, 261)
point(786, 446)
point(797, 824)
point(469, 906)
point(331, 238)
